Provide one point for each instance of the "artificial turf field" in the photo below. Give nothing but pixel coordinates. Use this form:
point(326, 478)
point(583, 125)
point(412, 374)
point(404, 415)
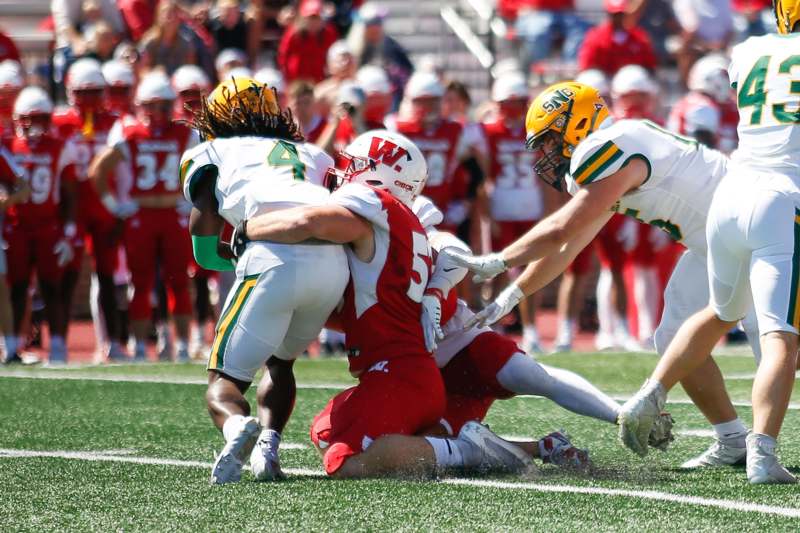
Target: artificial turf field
point(130, 448)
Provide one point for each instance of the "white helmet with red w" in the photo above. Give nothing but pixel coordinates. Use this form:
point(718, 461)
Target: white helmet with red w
point(190, 78)
point(32, 111)
point(709, 75)
point(85, 74)
point(386, 160)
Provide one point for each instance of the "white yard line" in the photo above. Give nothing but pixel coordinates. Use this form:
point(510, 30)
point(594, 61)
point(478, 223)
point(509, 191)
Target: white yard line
point(696, 433)
point(730, 505)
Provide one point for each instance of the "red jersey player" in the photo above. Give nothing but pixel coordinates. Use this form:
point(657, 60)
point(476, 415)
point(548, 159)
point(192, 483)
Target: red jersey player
point(86, 124)
point(190, 84)
point(440, 140)
point(120, 82)
point(515, 195)
point(40, 230)
point(367, 430)
point(155, 233)
point(11, 83)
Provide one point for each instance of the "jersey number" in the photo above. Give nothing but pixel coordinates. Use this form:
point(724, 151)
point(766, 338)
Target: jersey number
point(753, 94)
point(40, 180)
point(148, 176)
point(673, 229)
point(516, 170)
point(421, 250)
point(285, 154)
point(437, 168)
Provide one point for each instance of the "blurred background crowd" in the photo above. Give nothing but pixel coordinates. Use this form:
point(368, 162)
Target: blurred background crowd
point(455, 77)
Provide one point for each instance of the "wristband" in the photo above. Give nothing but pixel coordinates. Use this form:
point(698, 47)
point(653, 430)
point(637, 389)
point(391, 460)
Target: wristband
point(433, 291)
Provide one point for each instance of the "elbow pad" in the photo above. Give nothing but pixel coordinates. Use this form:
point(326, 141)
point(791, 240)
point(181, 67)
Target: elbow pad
point(204, 248)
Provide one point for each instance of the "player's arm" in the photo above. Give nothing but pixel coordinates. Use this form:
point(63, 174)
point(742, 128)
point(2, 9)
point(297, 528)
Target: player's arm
point(585, 208)
point(100, 171)
point(330, 223)
point(205, 225)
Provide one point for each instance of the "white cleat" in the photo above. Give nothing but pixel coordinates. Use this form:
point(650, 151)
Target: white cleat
point(265, 463)
point(228, 465)
point(763, 466)
point(638, 415)
point(498, 455)
point(727, 452)
point(556, 448)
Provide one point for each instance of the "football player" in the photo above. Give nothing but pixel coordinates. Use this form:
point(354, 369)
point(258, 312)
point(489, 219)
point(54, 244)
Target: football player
point(190, 84)
point(86, 125)
point(120, 81)
point(254, 160)
point(752, 231)
point(154, 225)
point(367, 430)
point(516, 201)
point(11, 83)
point(636, 168)
point(40, 230)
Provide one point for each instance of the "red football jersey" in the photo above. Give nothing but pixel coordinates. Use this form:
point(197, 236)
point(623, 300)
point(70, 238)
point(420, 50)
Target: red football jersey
point(517, 194)
point(440, 146)
point(154, 156)
point(727, 137)
point(45, 164)
point(89, 134)
point(381, 312)
point(9, 170)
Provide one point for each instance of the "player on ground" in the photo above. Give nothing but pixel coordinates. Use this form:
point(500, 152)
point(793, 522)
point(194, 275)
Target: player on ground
point(39, 231)
point(366, 431)
point(631, 167)
point(86, 124)
point(155, 228)
point(254, 160)
point(754, 253)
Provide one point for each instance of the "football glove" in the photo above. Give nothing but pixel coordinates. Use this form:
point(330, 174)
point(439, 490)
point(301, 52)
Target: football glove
point(432, 317)
point(485, 266)
point(500, 307)
point(63, 252)
point(239, 238)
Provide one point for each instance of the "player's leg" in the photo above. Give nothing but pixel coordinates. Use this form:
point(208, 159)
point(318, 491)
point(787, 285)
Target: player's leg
point(51, 285)
point(70, 276)
point(105, 252)
point(20, 266)
point(141, 254)
point(6, 315)
point(175, 264)
point(570, 299)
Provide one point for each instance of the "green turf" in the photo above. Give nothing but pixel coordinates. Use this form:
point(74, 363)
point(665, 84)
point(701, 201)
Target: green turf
point(169, 421)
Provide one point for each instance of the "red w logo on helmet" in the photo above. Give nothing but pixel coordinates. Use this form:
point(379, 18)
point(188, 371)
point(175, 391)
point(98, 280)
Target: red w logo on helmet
point(386, 152)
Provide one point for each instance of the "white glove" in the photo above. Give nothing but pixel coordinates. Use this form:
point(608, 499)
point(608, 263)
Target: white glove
point(126, 209)
point(485, 266)
point(431, 318)
point(500, 307)
point(63, 252)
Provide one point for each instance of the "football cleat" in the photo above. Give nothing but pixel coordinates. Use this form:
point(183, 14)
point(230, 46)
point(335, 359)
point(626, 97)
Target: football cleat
point(557, 449)
point(722, 452)
point(498, 455)
point(228, 465)
point(763, 466)
point(661, 434)
point(265, 463)
point(638, 415)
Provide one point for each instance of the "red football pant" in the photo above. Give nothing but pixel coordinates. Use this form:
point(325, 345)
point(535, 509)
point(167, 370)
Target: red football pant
point(32, 247)
point(609, 248)
point(400, 396)
point(157, 238)
point(506, 232)
point(470, 379)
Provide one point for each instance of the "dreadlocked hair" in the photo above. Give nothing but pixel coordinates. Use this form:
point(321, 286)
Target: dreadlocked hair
point(237, 118)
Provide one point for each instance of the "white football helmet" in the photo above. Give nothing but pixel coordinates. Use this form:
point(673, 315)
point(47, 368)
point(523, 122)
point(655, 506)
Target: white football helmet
point(32, 111)
point(190, 78)
point(709, 75)
point(510, 87)
point(595, 78)
point(424, 84)
point(270, 77)
point(118, 73)
point(85, 74)
point(386, 160)
point(11, 76)
point(154, 87)
point(632, 78)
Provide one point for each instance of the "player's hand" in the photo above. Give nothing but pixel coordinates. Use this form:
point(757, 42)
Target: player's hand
point(239, 238)
point(500, 307)
point(485, 266)
point(63, 252)
point(126, 209)
point(431, 318)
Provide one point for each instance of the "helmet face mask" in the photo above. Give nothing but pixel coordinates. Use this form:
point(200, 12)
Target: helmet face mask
point(87, 99)
point(155, 113)
point(32, 127)
point(549, 162)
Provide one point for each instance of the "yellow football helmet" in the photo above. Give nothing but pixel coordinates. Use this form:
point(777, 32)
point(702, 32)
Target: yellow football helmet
point(244, 93)
point(787, 14)
point(557, 121)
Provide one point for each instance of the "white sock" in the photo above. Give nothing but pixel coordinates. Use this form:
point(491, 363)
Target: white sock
point(735, 429)
point(523, 375)
point(181, 345)
point(566, 329)
point(231, 427)
point(11, 345)
point(454, 453)
point(530, 334)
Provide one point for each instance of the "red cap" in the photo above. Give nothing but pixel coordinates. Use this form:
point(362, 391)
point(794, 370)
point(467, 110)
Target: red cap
point(310, 8)
point(616, 6)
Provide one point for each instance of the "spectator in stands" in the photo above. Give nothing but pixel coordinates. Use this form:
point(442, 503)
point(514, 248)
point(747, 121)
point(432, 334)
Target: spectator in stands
point(101, 42)
point(752, 17)
point(657, 18)
point(616, 42)
point(341, 68)
point(377, 95)
point(371, 45)
point(167, 44)
point(304, 46)
point(138, 16)
point(707, 26)
point(541, 22)
point(300, 99)
point(228, 60)
point(8, 50)
point(233, 28)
